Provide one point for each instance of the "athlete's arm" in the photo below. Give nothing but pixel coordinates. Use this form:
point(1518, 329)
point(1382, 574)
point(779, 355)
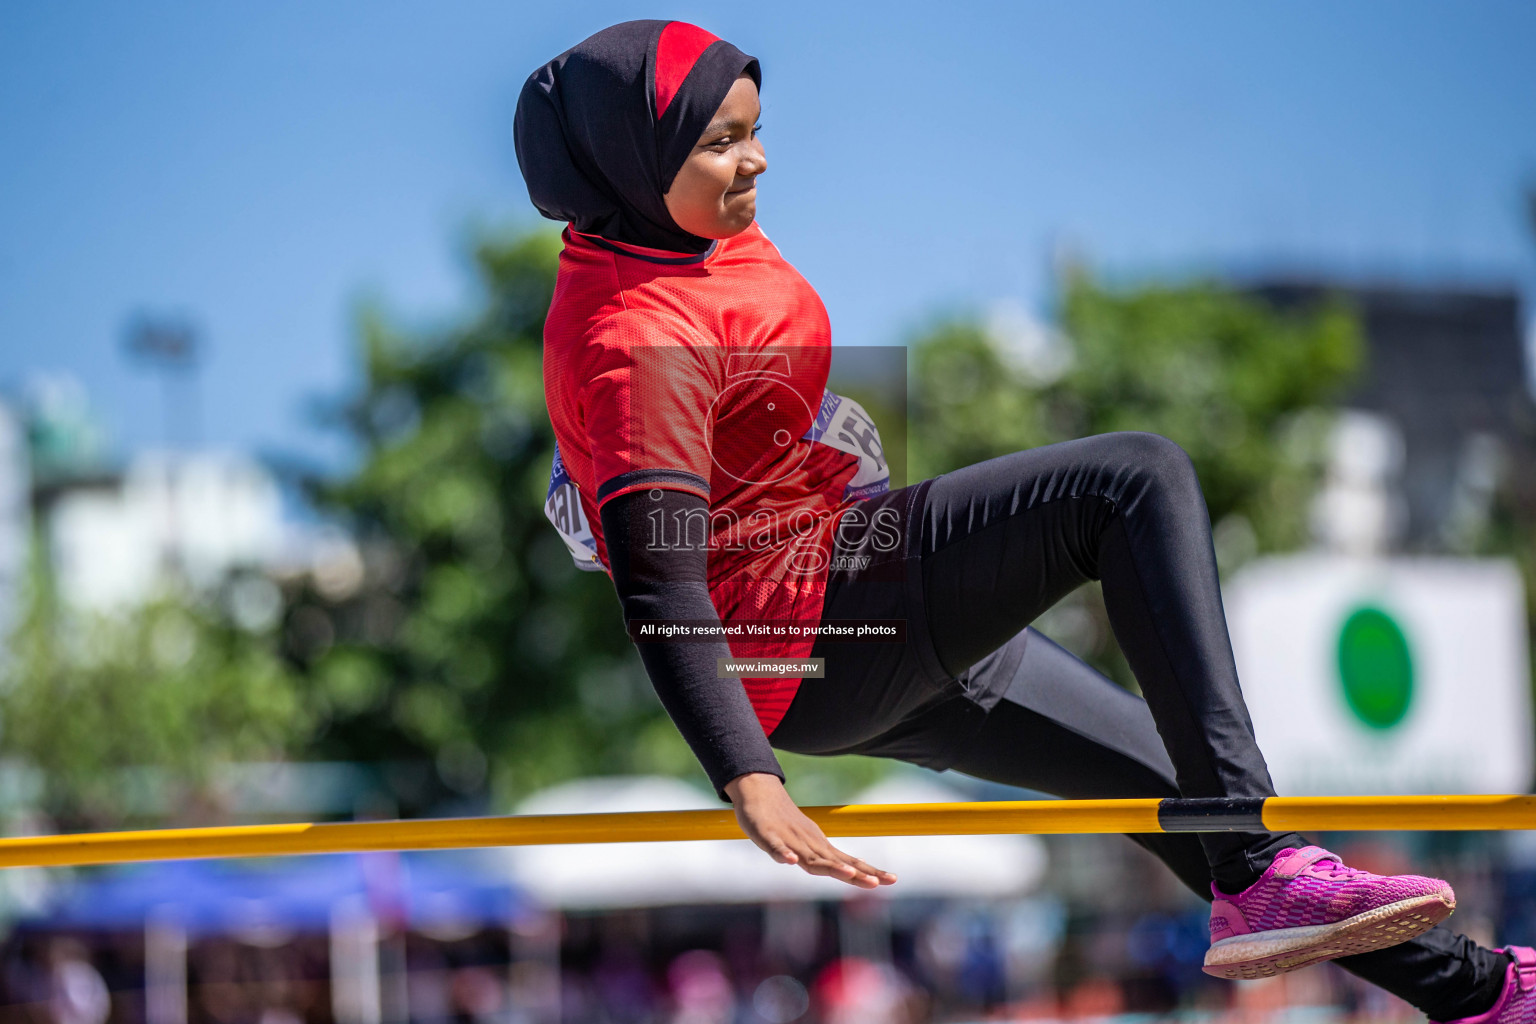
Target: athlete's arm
point(713, 714)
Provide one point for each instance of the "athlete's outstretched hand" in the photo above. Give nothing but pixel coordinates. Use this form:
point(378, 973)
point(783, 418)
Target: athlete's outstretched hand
point(771, 820)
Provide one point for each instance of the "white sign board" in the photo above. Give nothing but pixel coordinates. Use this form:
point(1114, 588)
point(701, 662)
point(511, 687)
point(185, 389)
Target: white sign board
point(1385, 675)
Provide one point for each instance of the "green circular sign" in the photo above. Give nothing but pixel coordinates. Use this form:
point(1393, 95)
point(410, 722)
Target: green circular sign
point(1375, 668)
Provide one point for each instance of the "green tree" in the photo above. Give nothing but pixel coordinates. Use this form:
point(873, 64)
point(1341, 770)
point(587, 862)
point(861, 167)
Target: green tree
point(1243, 388)
point(125, 715)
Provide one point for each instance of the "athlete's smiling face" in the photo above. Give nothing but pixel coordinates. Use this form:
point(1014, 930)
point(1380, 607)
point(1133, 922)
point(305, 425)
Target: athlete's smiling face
point(715, 194)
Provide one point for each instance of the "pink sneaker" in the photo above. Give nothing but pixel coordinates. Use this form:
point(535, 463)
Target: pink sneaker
point(1308, 907)
point(1517, 1003)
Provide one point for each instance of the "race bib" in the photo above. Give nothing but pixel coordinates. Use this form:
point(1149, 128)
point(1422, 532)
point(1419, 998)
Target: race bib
point(843, 424)
point(840, 423)
point(562, 506)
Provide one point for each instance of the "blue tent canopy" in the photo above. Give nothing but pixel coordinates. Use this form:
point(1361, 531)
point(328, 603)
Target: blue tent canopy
point(215, 896)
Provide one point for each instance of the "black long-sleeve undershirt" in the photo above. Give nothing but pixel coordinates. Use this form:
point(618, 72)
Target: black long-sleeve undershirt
point(713, 714)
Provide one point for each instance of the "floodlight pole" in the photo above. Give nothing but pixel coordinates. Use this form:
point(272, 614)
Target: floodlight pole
point(169, 346)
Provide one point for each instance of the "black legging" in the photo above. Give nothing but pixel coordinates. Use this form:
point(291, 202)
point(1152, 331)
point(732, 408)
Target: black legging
point(983, 551)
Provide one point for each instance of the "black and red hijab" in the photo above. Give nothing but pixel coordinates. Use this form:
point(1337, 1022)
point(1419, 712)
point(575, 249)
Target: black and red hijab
point(603, 128)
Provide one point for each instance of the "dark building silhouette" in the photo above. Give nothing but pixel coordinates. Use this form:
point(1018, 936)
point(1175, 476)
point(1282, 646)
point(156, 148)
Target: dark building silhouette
point(1448, 367)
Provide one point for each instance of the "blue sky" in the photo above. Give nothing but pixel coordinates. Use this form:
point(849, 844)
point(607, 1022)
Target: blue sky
point(263, 168)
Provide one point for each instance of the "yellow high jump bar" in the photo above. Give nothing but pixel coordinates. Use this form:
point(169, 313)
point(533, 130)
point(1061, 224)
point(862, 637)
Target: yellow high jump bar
point(1013, 817)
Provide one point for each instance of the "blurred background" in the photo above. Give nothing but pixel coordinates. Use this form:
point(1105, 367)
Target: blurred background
point(273, 452)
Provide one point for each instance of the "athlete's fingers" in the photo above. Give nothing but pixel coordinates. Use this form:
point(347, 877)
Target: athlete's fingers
point(819, 865)
point(857, 875)
point(886, 877)
point(847, 867)
point(879, 875)
point(827, 850)
point(835, 861)
point(775, 844)
point(780, 851)
point(848, 873)
point(818, 858)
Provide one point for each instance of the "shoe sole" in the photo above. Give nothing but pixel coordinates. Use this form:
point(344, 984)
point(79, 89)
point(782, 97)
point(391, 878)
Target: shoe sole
point(1266, 954)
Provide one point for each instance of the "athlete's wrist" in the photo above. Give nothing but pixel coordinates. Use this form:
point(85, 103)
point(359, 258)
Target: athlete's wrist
point(752, 784)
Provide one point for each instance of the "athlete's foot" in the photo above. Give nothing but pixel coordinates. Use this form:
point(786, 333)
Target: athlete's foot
point(1517, 1003)
point(1308, 907)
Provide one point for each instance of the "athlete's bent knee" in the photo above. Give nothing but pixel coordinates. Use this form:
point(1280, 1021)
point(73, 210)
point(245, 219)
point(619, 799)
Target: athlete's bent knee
point(1164, 461)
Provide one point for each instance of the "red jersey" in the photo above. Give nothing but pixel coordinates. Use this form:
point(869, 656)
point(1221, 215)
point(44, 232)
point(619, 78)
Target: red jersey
point(707, 374)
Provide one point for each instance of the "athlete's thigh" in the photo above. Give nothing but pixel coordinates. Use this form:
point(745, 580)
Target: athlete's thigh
point(1063, 728)
point(1003, 540)
point(869, 686)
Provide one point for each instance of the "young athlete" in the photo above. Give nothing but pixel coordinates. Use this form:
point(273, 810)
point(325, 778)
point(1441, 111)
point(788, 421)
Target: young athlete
point(702, 463)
